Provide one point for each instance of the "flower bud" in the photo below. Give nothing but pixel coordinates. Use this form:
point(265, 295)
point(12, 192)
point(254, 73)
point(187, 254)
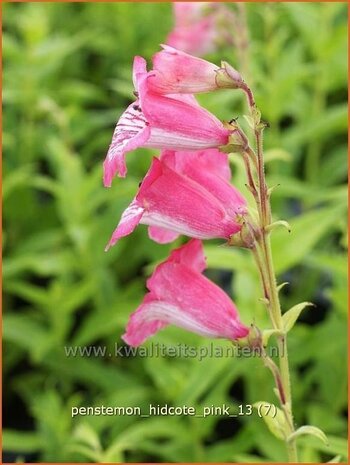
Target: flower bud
point(228, 77)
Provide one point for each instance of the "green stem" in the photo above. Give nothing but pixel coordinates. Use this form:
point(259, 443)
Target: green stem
point(275, 309)
point(276, 314)
point(268, 278)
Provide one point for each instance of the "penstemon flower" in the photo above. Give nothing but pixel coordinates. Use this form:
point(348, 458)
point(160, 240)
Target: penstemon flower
point(178, 72)
point(185, 193)
point(193, 32)
point(174, 122)
point(200, 27)
point(180, 295)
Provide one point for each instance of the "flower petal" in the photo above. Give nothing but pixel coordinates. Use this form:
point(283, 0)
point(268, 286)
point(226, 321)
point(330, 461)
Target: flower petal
point(162, 235)
point(201, 299)
point(180, 119)
point(176, 202)
point(187, 12)
point(128, 222)
point(190, 255)
point(199, 39)
point(139, 69)
point(180, 295)
point(177, 72)
point(150, 318)
point(210, 169)
point(131, 131)
point(142, 323)
point(209, 160)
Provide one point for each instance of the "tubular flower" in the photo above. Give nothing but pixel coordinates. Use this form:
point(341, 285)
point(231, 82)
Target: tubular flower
point(173, 122)
point(185, 193)
point(177, 72)
point(180, 295)
point(200, 27)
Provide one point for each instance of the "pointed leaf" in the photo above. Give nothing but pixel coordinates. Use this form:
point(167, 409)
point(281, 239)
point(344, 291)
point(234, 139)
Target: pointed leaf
point(277, 154)
point(86, 434)
point(276, 224)
point(335, 459)
point(307, 230)
point(20, 441)
point(311, 430)
point(273, 417)
point(281, 286)
point(291, 316)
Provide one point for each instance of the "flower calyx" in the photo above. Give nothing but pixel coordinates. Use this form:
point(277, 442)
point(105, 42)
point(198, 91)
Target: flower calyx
point(228, 77)
point(246, 237)
point(237, 140)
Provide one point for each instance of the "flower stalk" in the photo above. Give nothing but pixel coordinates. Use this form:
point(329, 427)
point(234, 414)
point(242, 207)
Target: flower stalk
point(263, 256)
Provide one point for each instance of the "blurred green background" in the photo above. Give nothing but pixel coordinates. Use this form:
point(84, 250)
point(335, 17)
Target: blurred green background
point(67, 78)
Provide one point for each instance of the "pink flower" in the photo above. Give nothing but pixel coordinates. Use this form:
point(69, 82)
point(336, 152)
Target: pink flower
point(188, 12)
point(197, 40)
point(174, 122)
point(180, 295)
point(177, 72)
point(200, 27)
point(185, 193)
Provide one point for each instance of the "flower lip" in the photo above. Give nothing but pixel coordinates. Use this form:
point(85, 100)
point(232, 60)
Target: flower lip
point(160, 121)
point(185, 193)
point(131, 131)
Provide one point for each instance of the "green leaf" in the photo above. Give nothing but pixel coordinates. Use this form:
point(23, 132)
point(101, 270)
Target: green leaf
point(307, 230)
point(86, 434)
point(20, 441)
point(335, 459)
point(134, 436)
point(291, 187)
point(227, 258)
point(204, 376)
point(277, 224)
point(333, 121)
point(28, 334)
point(41, 264)
point(282, 285)
point(85, 451)
point(337, 445)
point(273, 417)
point(277, 154)
point(309, 430)
point(290, 317)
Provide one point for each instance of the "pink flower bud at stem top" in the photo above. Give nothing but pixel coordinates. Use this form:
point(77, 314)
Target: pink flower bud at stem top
point(228, 77)
point(176, 72)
